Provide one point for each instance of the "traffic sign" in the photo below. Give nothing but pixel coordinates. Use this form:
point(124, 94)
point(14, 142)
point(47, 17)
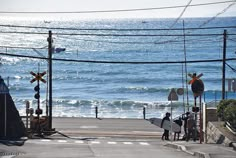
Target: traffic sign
point(172, 95)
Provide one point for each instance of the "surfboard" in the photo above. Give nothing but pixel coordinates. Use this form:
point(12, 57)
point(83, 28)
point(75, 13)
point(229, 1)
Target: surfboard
point(166, 124)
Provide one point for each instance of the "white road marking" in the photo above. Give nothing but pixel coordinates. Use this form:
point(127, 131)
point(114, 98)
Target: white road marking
point(62, 141)
point(127, 143)
point(45, 140)
point(95, 142)
point(79, 141)
point(86, 127)
point(143, 143)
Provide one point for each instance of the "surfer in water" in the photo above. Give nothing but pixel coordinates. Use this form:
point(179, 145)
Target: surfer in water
point(166, 132)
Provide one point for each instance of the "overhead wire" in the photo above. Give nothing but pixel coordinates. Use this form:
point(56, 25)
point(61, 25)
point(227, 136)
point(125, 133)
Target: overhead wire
point(105, 34)
point(208, 21)
point(22, 47)
point(181, 14)
point(189, 41)
point(118, 62)
point(233, 69)
point(115, 29)
point(110, 11)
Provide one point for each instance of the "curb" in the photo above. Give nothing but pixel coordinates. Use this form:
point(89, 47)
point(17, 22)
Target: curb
point(184, 149)
point(234, 146)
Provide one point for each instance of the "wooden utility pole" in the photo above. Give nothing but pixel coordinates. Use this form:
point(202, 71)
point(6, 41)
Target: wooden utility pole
point(50, 78)
point(223, 66)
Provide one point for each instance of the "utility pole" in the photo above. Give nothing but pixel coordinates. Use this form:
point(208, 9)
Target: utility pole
point(223, 66)
point(186, 71)
point(50, 78)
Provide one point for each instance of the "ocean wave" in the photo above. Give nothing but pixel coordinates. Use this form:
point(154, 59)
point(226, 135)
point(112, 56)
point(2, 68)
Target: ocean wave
point(106, 108)
point(143, 89)
point(102, 103)
point(9, 60)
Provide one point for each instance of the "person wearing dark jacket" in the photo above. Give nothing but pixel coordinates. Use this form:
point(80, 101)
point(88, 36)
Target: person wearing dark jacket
point(166, 132)
point(185, 119)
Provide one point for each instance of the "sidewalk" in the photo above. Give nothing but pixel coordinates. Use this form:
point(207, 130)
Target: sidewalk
point(203, 150)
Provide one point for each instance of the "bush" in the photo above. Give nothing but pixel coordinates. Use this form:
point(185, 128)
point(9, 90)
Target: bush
point(226, 110)
point(230, 114)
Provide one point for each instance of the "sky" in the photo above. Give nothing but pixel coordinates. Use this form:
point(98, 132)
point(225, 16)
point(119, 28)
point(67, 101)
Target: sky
point(101, 5)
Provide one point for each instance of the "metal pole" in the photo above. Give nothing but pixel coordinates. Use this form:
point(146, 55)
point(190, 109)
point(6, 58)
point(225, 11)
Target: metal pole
point(223, 66)
point(171, 119)
point(38, 109)
point(50, 78)
point(96, 111)
point(200, 112)
point(205, 108)
point(5, 128)
point(144, 113)
point(195, 105)
point(185, 64)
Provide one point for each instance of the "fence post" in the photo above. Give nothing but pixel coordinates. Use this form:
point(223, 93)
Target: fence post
point(144, 113)
point(27, 113)
point(96, 111)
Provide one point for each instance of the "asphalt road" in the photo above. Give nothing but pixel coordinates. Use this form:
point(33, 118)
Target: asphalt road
point(107, 127)
point(93, 148)
point(107, 138)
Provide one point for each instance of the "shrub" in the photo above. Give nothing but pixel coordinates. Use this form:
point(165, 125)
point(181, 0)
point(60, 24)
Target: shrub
point(226, 110)
point(230, 114)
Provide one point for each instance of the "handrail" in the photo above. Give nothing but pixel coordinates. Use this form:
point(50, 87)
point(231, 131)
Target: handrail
point(230, 128)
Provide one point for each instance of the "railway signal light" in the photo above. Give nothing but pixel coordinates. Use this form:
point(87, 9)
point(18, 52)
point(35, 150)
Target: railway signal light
point(37, 95)
point(195, 109)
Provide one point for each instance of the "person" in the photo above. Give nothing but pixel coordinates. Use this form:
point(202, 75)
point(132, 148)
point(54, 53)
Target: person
point(165, 135)
point(178, 122)
point(191, 128)
point(185, 119)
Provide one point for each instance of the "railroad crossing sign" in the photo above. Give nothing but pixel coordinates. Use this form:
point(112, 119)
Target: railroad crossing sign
point(38, 77)
point(197, 85)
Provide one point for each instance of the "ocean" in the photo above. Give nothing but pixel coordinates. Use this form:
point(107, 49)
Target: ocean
point(119, 88)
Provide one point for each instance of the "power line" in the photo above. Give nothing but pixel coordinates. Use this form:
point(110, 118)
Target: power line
point(113, 29)
point(231, 39)
point(231, 67)
point(128, 35)
point(22, 47)
point(211, 19)
point(181, 14)
point(118, 62)
point(118, 10)
point(218, 14)
point(128, 42)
